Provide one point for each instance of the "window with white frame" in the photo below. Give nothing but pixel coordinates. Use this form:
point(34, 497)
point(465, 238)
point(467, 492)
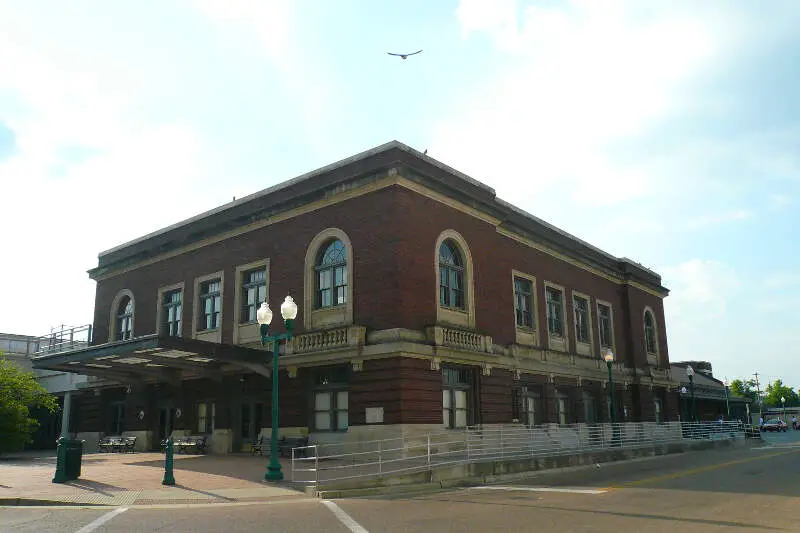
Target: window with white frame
point(331, 400)
point(581, 312)
point(604, 319)
point(456, 388)
point(451, 276)
point(649, 332)
point(555, 311)
point(523, 302)
point(254, 292)
point(210, 304)
point(561, 409)
point(172, 308)
point(125, 319)
point(332, 275)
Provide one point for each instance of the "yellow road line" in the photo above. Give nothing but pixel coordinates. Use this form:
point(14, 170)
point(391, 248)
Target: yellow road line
point(699, 470)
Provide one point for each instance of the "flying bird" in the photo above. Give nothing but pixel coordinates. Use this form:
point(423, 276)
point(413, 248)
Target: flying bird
point(404, 56)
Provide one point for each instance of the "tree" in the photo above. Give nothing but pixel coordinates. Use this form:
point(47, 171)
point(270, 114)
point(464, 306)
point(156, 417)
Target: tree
point(744, 388)
point(776, 390)
point(19, 393)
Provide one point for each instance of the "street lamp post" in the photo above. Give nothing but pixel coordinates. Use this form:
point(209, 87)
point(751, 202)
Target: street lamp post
point(608, 357)
point(783, 403)
point(690, 373)
point(264, 317)
point(727, 402)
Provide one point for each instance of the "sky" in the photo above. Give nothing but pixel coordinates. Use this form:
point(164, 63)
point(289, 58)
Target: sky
point(664, 131)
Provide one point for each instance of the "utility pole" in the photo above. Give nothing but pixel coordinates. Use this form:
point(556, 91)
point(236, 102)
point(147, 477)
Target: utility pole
point(758, 392)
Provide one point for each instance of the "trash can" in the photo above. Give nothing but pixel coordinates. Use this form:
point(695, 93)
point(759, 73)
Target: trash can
point(68, 460)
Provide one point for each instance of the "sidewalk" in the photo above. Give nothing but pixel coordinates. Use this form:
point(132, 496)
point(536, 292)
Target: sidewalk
point(135, 479)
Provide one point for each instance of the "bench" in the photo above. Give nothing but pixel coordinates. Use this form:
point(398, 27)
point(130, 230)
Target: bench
point(116, 443)
point(286, 443)
point(259, 446)
point(193, 443)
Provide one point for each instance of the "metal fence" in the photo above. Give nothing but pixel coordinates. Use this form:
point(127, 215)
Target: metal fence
point(325, 463)
point(62, 339)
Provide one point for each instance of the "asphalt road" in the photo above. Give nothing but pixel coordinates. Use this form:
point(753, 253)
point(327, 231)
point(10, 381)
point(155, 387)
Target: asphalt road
point(736, 490)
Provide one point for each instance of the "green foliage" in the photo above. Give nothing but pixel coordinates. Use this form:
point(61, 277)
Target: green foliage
point(776, 390)
point(744, 388)
point(19, 393)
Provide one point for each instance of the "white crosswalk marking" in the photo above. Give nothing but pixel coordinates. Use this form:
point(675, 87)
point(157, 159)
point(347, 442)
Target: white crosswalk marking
point(541, 489)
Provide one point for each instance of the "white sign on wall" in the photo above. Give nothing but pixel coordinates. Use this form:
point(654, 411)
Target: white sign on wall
point(374, 415)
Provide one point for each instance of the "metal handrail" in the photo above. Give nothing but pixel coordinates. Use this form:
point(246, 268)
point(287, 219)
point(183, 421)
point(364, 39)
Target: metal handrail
point(383, 457)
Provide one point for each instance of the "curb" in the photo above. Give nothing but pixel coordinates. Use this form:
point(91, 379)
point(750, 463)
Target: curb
point(34, 502)
point(448, 484)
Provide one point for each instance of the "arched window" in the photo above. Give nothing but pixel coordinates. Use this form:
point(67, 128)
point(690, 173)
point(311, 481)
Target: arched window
point(649, 332)
point(124, 319)
point(331, 276)
point(451, 276)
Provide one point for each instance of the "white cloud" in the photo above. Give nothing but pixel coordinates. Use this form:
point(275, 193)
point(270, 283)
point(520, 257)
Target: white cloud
point(584, 76)
point(276, 26)
point(699, 291)
point(134, 176)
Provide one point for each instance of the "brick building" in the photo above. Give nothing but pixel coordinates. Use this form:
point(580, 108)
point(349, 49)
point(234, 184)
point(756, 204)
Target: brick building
point(425, 301)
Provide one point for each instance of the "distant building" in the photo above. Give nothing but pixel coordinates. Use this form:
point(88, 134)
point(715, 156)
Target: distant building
point(21, 349)
point(710, 394)
point(426, 304)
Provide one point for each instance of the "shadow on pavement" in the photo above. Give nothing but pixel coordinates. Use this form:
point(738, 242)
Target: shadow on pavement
point(95, 486)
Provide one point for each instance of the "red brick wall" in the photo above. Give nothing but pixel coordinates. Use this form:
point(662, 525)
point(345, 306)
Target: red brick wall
point(393, 232)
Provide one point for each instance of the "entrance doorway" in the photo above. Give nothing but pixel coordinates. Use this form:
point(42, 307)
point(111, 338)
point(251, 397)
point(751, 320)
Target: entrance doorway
point(250, 422)
point(166, 422)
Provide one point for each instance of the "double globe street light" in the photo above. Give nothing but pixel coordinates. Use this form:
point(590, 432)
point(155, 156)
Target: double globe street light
point(264, 318)
point(690, 374)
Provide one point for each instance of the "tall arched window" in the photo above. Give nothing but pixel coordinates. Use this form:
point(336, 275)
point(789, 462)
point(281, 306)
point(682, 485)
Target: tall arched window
point(124, 319)
point(649, 332)
point(451, 276)
point(331, 271)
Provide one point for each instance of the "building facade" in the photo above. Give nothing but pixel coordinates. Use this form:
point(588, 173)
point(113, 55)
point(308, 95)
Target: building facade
point(21, 349)
point(426, 302)
point(712, 397)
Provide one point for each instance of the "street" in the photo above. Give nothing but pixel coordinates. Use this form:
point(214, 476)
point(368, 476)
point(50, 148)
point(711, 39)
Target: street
point(743, 489)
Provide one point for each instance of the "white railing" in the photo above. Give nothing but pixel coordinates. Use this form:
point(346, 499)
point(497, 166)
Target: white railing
point(325, 463)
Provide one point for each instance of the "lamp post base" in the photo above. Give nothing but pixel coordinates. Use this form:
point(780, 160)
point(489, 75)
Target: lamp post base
point(274, 473)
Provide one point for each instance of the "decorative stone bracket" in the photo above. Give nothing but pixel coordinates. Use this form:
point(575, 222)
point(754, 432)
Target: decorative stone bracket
point(329, 339)
point(459, 339)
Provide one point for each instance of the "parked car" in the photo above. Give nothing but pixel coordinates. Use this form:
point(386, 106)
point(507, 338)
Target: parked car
point(776, 424)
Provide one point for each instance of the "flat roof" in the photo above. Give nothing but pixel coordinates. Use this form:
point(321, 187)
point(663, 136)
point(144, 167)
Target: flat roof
point(315, 184)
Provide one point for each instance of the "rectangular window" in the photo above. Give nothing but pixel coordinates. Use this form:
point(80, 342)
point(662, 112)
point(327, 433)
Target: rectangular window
point(589, 409)
point(172, 304)
point(604, 318)
point(561, 410)
point(555, 311)
point(523, 298)
point(657, 407)
point(530, 410)
point(331, 410)
point(210, 302)
point(254, 292)
point(202, 417)
point(581, 307)
point(331, 400)
point(455, 397)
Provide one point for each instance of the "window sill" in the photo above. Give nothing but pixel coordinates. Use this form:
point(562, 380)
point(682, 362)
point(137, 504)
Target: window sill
point(583, 348)
point(527, 336)
point(454, 317)
point(557, 343)
point(211, 335)
point(329, 316)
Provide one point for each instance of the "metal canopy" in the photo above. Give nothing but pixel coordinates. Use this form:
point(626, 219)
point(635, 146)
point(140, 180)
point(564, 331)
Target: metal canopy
point(155, 359)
